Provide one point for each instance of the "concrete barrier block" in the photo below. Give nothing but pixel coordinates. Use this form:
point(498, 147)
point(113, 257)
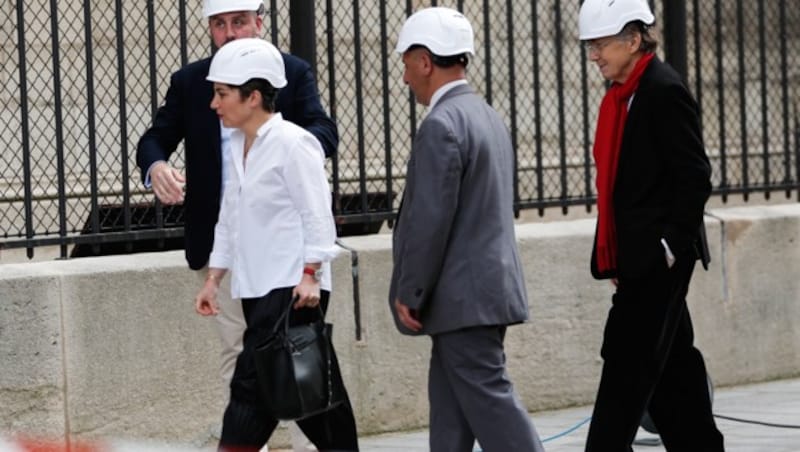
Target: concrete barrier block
point(139, 362)
point(554, 358)
point(31, 372)
point(748, 319)
point(387, 375)
point(111, 347)
point(707, 292)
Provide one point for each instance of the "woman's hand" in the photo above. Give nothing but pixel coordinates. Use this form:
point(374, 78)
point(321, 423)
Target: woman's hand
point(205, 303)
point(307, 292)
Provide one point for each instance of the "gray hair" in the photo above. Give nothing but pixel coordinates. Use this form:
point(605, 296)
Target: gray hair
point(649, 42)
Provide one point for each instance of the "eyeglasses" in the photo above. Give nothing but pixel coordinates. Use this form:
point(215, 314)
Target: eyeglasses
point(596, 46)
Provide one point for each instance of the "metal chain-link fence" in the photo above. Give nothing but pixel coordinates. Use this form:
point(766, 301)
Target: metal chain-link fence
point(81, 81)
point(744, 62)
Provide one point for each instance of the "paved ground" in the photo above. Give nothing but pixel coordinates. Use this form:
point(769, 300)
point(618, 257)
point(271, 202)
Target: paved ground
point(775, 402)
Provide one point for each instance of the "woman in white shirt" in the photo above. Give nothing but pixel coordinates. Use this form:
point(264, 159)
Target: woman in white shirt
point(275, 233)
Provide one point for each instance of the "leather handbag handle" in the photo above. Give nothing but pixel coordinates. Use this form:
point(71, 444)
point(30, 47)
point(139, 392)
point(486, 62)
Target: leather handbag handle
point(284, 318)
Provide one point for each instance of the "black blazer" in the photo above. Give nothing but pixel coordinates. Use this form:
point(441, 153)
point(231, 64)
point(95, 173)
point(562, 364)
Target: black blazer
point(663, 177)
point(186, 115)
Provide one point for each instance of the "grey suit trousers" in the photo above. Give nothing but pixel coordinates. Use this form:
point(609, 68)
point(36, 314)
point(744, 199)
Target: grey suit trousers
point(471, 397)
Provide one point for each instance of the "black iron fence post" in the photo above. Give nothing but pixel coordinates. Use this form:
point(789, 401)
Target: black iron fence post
point(302, 31)
point(797, 149)
point(675, 36)
point(25, 124)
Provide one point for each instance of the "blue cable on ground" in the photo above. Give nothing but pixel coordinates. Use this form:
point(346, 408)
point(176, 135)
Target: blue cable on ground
point(569, 430)
point(719, 416)
point(564, 433)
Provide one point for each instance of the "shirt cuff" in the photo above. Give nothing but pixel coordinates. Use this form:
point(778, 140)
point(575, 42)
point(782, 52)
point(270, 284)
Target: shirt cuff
point(321, 254)
point(219, 260)
point(668, 253)
point(147, 182)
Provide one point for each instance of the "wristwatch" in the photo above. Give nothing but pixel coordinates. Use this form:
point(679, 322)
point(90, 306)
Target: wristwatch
point(315, 272)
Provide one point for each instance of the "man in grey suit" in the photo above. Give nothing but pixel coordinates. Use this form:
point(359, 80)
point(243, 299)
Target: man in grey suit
point(457, 275)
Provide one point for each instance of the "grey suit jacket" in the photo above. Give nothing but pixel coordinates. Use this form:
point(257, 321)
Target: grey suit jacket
point(455, 252)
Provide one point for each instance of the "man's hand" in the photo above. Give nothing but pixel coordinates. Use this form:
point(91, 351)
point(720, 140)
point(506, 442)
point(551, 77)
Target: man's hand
point(407, 316)
point(167, 183)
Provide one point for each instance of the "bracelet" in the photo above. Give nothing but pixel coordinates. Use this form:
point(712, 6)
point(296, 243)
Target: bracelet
point(315, 273)
point(212, 277)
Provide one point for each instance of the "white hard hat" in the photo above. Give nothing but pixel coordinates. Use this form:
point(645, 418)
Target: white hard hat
point(214, 7)
point(243, 59)
point(444, 31)
point(601, 18)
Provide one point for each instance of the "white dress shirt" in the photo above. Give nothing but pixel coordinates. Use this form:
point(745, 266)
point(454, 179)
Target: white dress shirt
point(225, 147)
point(276, 211)
point(437, 96)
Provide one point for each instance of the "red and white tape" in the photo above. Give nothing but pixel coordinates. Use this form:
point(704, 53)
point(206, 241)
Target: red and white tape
point(38, 445)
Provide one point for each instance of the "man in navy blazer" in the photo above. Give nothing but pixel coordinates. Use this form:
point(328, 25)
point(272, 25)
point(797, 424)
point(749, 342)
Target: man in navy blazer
point(186, 115)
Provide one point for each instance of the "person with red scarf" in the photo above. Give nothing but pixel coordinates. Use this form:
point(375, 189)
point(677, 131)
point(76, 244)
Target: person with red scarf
point(653, 180)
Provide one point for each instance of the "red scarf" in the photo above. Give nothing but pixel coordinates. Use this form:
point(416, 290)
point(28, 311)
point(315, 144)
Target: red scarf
point(607, 142)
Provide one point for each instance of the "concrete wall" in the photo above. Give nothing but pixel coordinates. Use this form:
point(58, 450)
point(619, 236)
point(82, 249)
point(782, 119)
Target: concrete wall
point(111, 347)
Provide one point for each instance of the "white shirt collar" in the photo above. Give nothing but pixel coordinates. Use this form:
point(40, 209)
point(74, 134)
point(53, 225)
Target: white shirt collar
point(270, 123)
point(437, 96)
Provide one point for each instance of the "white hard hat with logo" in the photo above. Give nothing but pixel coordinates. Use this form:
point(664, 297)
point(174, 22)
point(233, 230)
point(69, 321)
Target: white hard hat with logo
point(601, 18)
point(247, 58)
point(444, 31)
point(214, 7)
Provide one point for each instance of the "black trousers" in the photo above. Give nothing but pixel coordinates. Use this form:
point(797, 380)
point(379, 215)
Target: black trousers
point(247, 425)
point(651, 363)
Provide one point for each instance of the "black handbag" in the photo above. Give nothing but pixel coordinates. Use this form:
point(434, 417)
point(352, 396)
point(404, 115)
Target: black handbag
point(297, 369)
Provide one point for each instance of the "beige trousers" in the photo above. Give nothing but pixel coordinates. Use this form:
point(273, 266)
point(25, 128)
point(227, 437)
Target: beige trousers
point(231, 326)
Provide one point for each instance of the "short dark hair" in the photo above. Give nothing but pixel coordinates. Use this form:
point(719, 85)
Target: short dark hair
point(444, 61)
point(649, 43)
point(268, 92)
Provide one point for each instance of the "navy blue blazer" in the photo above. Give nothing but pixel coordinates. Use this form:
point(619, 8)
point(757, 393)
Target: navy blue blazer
point(186, 115)
point(663, 177)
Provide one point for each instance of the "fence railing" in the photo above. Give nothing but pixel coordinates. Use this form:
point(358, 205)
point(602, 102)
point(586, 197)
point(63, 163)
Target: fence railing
point(82, 80)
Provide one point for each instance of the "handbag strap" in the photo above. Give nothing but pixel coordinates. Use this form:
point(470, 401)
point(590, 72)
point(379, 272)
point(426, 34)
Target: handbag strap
point(284, 318)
